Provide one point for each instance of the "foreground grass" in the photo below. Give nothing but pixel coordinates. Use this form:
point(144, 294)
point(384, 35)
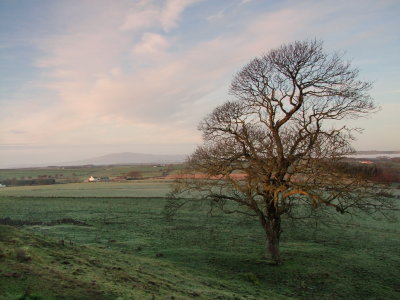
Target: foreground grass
point(34, 267)
point(193, 256)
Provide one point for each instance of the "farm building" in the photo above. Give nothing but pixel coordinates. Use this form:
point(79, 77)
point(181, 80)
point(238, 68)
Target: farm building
point(93, 179)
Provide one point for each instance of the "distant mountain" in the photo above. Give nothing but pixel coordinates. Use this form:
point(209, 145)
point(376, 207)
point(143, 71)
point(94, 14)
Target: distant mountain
point(131, 158)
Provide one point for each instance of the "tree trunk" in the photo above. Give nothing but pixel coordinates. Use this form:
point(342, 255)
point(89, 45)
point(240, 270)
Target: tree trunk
point(272, 229)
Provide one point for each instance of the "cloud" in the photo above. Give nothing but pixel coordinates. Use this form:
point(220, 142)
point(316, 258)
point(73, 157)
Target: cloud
point(153, 16)
point(172, 11)
point(104, 85)
point(137, 78)
point(218, 16)
point(152, 44)
point(141, 19)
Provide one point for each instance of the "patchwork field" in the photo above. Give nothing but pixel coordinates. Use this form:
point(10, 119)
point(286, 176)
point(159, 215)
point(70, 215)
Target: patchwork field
point(112, 241)
point(136, 188)
point(82, 173)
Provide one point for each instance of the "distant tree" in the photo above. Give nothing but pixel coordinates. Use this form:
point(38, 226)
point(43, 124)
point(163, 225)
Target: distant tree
point(276, 150)
point(134, 175)
point(387, 175)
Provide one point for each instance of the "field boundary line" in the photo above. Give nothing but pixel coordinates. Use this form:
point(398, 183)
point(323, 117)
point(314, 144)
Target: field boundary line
point(82, 197)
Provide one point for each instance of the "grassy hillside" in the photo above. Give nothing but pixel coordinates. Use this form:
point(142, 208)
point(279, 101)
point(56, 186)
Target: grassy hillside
point(124, 247)
point(34, 267)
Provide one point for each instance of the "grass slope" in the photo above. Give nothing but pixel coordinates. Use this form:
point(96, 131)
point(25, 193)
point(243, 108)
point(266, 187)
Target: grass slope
point(194, 256)
point(34, 267)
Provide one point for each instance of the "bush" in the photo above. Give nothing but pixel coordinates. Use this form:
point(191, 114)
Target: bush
point(387, 175)
point(22, 182)
point(22, 255)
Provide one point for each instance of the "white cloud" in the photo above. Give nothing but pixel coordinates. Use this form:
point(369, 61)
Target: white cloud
point(152, 44)
point(141, 19)
point(172, 11)
point(153, 16)
point(104, 89)
point(127, 81)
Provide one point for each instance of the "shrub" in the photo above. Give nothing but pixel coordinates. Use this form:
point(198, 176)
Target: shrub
point(22, 255)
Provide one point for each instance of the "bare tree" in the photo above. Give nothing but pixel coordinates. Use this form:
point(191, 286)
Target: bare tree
point(276, 146)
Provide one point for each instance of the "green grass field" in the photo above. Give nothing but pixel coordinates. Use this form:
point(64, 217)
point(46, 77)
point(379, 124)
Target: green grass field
point(67, 174)
point(133, 188)
point(124, 248)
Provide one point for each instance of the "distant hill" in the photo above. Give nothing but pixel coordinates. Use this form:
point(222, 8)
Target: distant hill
point(376, 152)
point(131, 158)
point(144, 158)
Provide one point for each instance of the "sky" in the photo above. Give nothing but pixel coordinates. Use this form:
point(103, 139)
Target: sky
point(84, 78)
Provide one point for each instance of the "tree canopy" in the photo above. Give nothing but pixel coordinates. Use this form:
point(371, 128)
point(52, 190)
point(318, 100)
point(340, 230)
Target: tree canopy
point(279, 143)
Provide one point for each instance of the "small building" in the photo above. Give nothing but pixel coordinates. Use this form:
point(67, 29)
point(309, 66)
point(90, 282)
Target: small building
point(93, 179)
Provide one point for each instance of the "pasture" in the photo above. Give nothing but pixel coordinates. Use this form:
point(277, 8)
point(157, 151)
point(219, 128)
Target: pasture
point(136, 188)
point(122, 247)
point(81, 173)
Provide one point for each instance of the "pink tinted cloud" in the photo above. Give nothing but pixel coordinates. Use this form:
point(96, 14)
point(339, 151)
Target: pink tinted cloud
point(149, 15)
point(95, 94)
point(110, 86)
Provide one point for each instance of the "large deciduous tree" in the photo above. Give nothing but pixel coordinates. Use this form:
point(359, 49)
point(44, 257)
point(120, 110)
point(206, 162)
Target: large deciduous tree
point(279, 144)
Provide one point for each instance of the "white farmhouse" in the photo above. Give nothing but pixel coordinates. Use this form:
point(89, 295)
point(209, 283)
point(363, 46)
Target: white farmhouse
point(92, 179)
